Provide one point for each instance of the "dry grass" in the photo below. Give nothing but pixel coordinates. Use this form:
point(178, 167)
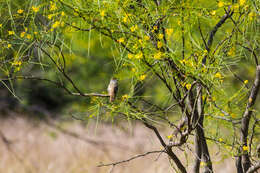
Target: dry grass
point(38, 148)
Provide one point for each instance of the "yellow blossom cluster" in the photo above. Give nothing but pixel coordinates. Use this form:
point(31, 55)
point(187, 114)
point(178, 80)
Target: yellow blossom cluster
point(139, 55)
point(232, 51)
point(158, 55)
point(245, 148)
point(102, 13)
point(53, 6)
point(159, 44)
point(35, 9)
point(22, 34)
point(10, 32)
point(142, 77)
point(218, 75)
point(121, 40)
point(221, 4)
point(136, 56)
point(188, 86)
point(160, 36)
point(125, 97)
point(20, 11)
point(133, 28)
point(56, 24)
point(17, 63)
point(146, 38)
point(169, 31)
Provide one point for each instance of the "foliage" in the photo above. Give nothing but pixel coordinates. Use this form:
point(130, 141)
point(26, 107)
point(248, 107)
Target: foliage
point(183, 58)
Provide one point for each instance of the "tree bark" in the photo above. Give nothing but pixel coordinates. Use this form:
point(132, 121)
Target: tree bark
point(244, 158)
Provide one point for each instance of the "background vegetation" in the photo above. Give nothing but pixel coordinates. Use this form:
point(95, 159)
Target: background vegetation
point(190, 66)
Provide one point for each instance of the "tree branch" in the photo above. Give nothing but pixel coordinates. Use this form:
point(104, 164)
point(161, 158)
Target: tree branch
point(254, 168)
point(245, 161)
point(228, 14)
point(130, 159)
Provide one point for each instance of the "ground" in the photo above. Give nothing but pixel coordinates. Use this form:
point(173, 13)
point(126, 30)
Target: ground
point(37, 147)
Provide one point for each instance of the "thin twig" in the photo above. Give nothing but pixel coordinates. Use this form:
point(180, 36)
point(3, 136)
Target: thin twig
point(132, 158)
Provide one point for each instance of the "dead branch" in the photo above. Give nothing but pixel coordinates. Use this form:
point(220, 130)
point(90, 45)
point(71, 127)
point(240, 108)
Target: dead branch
point(130, 159)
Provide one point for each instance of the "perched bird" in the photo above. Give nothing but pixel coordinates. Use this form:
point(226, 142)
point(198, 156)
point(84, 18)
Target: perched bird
point(112, 89)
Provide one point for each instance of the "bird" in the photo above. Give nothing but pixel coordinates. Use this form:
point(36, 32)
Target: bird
point(112, 89)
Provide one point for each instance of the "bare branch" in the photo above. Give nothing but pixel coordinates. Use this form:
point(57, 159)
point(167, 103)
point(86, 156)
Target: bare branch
point(252, 51)
point(254, 168)
point(91, 94)
point(246, 119)
point(130, 159)
point(228, 14)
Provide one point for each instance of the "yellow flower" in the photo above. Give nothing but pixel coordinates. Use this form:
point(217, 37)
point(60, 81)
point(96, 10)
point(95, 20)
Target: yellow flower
point(130, 56)
point(218, 75)
point(188, 86)
point(158, 55)
point(35, 9)
point(159, 44)
point(102, 13)
point(139, 55)
point(232, 51)
point(250, 100)
point(242, 2)
point(146, 38)
point(169, 31)
point(22, 34)
point(1, 25)
point(184, 61)
point(62, 13)
point(20, 11)
point(213, 13)
point(17, 63)
point(125, 19)
point(9, 45)
point(35, 33)
point(142, 77)
point(140, 41)
point(245, 148)
point(170, 137)
point(29, 36)
point(56, 24)
point(53, 6)
point(246, 81)
point(10, 32)
point(125, 97)
point(203, 164)
point(155, 28)
point(220, 140)
point(179, 22)
point(133, 28)
point(121, 40)
point(220, 4)
point(160, 36)
point(50, 16)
